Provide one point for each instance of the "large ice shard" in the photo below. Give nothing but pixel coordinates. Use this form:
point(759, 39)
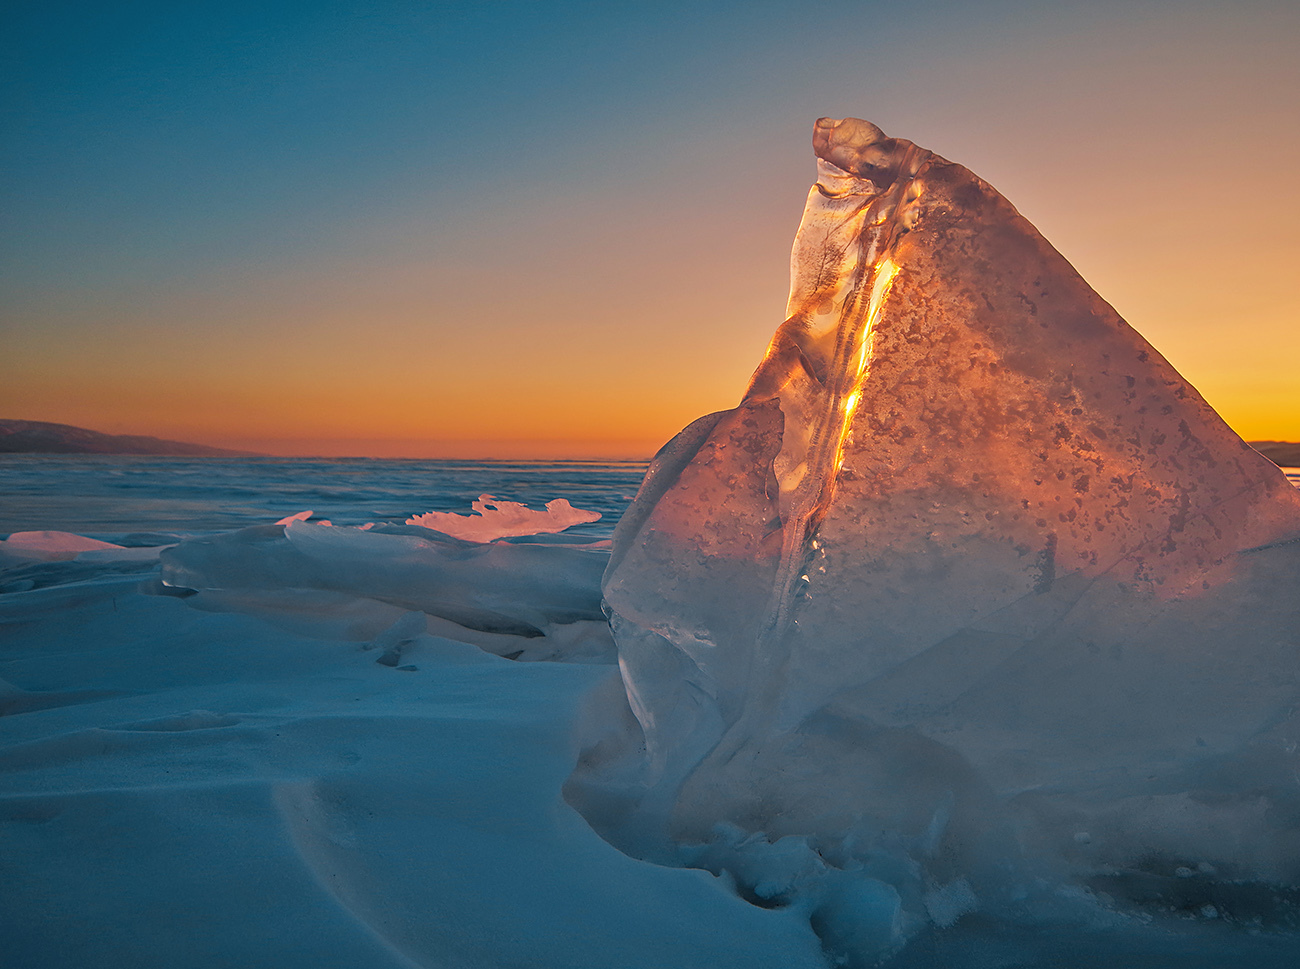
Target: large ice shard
point(970, 563)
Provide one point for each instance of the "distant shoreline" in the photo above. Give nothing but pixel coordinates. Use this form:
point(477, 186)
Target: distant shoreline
point(328, 457)
point(1285, 454)
point(45, 437)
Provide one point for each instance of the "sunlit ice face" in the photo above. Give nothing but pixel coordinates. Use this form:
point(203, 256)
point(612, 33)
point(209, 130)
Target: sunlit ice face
point(848, 211)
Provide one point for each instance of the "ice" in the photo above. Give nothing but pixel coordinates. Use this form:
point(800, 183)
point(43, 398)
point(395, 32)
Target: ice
point(967, 639)
point(531, 601)
point(971, 569)
point(493, 518)
point(945, 905)
point(49, 546)
point(301, 516)
point(32, 559)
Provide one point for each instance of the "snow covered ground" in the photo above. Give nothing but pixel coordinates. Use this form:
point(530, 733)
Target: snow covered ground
point(307, 777)
point(282, 746)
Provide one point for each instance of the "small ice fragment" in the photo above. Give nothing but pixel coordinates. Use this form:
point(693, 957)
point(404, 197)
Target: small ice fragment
point(1082, 838)
point(1182, 871)
point(50, 546)
point(491, 519)
point(1209, 912)
point(949, 903)
point(54, 542)
point(786, 863)
point(303, 516)
point(860, 921)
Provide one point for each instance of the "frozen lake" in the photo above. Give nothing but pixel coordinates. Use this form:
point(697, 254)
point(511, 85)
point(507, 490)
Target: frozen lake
point(252, 776)
point(308, 746)
point(116, 495)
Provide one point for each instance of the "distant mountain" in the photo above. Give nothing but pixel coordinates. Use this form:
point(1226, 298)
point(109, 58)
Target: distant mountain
point(42, 437)
point(1284, 453)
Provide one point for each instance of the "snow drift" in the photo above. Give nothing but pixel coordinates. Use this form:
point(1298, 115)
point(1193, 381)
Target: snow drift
point(183, 783)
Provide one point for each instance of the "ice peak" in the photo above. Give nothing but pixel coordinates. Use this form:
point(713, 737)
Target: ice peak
point(858, 150)
point(966, 535)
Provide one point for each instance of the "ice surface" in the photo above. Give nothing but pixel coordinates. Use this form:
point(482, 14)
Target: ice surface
point(530, 601)
point(115, 498)
point(493, 518)
point(971, 571)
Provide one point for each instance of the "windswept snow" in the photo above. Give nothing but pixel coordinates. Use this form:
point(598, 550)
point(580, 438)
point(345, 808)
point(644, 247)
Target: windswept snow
point(292, 765)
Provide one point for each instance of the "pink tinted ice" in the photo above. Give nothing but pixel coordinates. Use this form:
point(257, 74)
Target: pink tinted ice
point(970, 570)
point(492, 518)
point(50, 546)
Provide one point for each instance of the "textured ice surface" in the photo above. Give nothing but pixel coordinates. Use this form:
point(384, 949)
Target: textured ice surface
point(526, 600)
point(972, 592)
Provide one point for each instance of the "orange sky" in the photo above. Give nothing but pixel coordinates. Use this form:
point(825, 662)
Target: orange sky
point(596, 306)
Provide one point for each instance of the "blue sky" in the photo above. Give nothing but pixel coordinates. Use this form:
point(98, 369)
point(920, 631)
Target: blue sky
point(587, 189)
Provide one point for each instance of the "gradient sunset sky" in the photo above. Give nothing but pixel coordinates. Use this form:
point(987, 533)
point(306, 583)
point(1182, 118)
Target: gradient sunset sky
point(563, 229)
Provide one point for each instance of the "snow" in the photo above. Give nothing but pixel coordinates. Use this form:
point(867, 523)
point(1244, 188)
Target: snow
point(200, 779)
point(295, 764)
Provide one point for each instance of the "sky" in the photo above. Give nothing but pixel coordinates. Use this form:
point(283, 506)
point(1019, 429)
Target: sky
point(498, 229)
